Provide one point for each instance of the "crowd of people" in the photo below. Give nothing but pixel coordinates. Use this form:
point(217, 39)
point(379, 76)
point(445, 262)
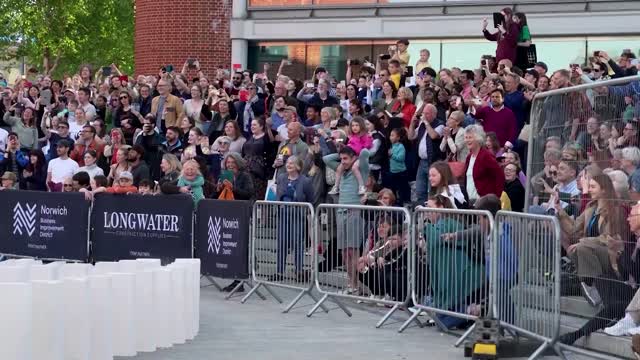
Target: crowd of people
point(395, 129)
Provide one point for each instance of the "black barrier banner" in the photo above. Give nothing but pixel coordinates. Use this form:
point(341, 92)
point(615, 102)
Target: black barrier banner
point(223, 238)
point(142, 226)
point(44, 225)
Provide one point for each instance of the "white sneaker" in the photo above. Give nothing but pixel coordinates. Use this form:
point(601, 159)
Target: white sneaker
point(622, 327)
point(362, 190)
point(334, 190)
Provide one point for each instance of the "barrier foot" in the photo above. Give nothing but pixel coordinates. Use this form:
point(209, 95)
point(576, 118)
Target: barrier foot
point(294, 302)
point(341, 305)
point(465, 335)
point(413, 317)
point(559, 351)
point(251, 292)
point(274, 295)
point(317, 305)
point(539, 351)
point(213, 282)
point(387, 316)
point(314, 298)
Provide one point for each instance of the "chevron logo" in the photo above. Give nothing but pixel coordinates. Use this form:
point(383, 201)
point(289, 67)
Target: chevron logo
point(24, 219)
point(214, 230)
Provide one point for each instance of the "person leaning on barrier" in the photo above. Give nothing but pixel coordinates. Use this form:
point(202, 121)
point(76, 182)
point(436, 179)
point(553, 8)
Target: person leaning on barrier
point(292, 221)
point(241, 183)
point(455, 267)
point(595, 236)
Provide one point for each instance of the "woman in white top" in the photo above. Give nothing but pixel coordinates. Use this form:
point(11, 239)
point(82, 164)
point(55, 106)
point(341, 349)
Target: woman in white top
point(90, 167)
point(193, 107)
point(443, 183)
point(453, 138)
point(232, 130)
point(76, 126)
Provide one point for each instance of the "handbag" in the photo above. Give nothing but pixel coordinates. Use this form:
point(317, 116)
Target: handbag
point(270, 194)
point(526, 56)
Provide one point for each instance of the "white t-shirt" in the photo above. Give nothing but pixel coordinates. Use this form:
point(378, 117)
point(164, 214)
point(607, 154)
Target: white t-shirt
point(61, 169)
point(89, 111)
point(4, 134)
point(282, 131)
point(74, 129)
point(471, 185)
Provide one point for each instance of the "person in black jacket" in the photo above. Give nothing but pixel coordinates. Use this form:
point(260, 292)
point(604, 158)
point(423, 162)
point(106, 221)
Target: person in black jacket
point(513, 187)
point(34, 176)
point(171, 167)
point(151, 142)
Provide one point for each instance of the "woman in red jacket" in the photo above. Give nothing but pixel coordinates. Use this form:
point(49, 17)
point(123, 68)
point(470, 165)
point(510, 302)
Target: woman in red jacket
point(483, 173)
point(405, 106)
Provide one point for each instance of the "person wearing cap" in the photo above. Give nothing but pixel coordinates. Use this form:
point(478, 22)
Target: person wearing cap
point(541, 68)
point(69, 94)
point(124, 185)
point(61, 167)
point(9, 180)
point(290, 116)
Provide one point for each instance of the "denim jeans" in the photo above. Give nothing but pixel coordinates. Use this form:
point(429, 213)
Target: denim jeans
point(422, 181)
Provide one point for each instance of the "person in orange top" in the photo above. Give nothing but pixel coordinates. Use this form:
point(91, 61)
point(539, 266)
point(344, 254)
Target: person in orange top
point(125, 185)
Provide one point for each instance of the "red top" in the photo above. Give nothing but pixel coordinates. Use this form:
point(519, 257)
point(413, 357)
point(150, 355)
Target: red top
point(406, 112)
point(488, 177)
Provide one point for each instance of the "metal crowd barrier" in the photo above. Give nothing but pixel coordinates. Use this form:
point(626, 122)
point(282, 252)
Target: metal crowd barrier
point(282, 232)
point(366, 256)
point(450, 271)
point(525, 268)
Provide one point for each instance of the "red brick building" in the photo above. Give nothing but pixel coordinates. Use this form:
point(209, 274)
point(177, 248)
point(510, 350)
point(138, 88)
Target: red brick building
point(169, 32)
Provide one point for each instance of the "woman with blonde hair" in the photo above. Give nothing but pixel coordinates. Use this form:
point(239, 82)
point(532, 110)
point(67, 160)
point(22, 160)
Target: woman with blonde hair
point(191, 181)
point(404, 108)
point(171, 168)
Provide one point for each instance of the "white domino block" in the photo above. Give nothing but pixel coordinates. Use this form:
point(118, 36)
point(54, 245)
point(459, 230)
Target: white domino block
point(106, 267)
point(178, 295)
point(145, 317)
point(162, 306)
point(74, 270)
point(49, 301)
point(101, 317)
point(43, 273)
point(16, 325)
point(77, 324)
point(124, 336)
point(14, 274)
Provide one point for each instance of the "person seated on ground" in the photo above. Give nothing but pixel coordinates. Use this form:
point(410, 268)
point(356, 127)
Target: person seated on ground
point(124, 186)
point(382, 269)
point(618, 299)
point(595, 236)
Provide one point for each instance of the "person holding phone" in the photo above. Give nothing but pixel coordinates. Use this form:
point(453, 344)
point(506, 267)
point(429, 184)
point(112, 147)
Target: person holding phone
point(236, 177)
point(506, 37)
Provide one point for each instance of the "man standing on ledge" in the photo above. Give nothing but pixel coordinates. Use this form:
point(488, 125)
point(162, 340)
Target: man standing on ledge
point(350, 226)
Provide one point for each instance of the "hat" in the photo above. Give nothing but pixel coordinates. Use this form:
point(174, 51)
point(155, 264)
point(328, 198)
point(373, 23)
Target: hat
point(542, 65)
point(69, 90)
point(8, 175)
point(64, 143)
point(224, 139)
point(126, 175)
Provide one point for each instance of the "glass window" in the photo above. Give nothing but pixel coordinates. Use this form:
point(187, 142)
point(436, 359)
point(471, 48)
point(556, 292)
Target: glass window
point(465, 54)
point(613, 46)
point(432, 45)
point(559, 53)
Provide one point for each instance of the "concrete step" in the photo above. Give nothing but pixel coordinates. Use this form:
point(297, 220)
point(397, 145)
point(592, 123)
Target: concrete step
point(578, 306)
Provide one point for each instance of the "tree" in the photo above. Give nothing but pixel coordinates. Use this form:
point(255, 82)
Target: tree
point(57, 36)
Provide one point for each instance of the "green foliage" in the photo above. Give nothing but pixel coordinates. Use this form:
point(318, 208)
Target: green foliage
point(68, 33)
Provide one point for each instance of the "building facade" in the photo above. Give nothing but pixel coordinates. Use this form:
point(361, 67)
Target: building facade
point(327, 32)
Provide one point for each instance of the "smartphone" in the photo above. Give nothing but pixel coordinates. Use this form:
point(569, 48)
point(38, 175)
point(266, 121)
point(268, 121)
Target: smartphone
point(106, 71)
point(483, 62)
point(310, 85)
point(226, 175)
point(169, 68)
point(191, 63)
point(243, 95)
point(45, 97)
point(385, 57)
point(408, 71)
point(498, 19)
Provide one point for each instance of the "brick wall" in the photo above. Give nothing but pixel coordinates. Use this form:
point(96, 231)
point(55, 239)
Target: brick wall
point(169, 32)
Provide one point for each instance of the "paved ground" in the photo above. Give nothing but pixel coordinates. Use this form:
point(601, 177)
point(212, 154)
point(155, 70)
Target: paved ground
point(258, 330)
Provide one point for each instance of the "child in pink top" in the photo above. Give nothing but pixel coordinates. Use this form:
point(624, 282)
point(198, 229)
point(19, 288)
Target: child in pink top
point(358, 139)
